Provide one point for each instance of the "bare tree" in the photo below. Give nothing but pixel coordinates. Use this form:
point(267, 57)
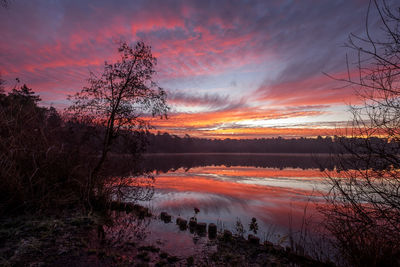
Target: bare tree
point(121, 96)
point(364, 210)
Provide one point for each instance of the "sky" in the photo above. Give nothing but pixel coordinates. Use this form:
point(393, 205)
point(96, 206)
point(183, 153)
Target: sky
point(231, 69)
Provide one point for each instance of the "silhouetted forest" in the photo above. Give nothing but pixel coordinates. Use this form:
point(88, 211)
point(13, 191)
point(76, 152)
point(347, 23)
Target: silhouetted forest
point(166, 143)
point(46, 157)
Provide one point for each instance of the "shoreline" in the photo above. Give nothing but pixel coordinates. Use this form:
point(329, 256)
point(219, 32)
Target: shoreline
point(77, 239)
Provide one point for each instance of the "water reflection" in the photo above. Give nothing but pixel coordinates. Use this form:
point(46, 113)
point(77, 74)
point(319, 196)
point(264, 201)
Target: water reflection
point(275, 189)
point(244, 192)
point(167, 162)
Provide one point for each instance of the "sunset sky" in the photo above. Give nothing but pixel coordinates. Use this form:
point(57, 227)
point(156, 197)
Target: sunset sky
point(237, 69)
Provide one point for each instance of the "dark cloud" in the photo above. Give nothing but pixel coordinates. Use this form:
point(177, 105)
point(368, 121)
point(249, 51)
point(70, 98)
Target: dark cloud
point(190, 99)
point(210, 102)
point(311, 43)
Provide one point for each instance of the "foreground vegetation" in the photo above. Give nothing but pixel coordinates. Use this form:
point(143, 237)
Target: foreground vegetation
point(73, 238)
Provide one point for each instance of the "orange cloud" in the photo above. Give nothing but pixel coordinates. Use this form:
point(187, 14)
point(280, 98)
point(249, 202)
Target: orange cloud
point(231, 123)
point(249, 133)
point(217, 118)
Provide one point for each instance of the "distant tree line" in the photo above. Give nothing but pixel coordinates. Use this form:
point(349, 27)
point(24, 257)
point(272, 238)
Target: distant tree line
point(166, 143)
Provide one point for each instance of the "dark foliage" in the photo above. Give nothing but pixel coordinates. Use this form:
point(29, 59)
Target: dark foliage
point(50, 161)
point(166, 143)
point(35, 166)
point(46, 160)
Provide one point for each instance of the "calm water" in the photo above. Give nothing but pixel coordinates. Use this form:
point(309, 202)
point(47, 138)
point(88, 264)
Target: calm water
point(226, 188)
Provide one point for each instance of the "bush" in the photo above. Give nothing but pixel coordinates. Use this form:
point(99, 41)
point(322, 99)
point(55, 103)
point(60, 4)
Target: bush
point(37, 169)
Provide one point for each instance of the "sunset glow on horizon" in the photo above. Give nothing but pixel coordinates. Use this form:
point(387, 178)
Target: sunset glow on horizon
point(231, 69)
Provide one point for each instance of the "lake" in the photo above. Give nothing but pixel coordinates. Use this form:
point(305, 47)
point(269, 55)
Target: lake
point(279, 190)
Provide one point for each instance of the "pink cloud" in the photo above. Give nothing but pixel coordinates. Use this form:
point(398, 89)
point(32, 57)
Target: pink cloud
point(316, 90)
